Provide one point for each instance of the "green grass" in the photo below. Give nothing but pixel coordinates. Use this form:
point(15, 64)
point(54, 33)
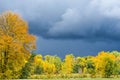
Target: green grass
point(85, 79)
point(71, 77)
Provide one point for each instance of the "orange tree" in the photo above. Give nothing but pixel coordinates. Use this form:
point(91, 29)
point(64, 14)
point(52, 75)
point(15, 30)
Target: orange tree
point(15, 44)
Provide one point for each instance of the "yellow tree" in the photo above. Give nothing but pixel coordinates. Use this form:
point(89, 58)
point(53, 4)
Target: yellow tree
point(48, 65)
point(49, 68)
point(117, 63)
point(54, 60)
point(67, 66)
point(104, 63)
point(38, 64)
point(82, 62)
point(38, 61)
point(15, 44)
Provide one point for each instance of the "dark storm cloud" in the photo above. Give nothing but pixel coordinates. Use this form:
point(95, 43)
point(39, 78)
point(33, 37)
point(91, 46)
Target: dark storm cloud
point(69, 19)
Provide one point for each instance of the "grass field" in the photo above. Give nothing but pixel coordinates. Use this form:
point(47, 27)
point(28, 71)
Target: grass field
point(71, 77)
point(86, 79)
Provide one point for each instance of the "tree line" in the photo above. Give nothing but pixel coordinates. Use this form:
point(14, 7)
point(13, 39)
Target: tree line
point(105, 64)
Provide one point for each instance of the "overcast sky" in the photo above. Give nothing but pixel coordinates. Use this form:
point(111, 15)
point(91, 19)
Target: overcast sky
point(81, 27)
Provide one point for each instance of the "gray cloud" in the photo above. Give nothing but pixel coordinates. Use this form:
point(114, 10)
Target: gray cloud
point(69, 19)
point(99, 20)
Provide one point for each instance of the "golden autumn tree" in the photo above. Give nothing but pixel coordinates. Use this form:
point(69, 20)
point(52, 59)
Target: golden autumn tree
point(67, 67)
point(104, 63)
point(15, 44)
point(48, 65)
point(49, 68)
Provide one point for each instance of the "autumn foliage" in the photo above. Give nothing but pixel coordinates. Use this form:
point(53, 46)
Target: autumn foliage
point(15, 44)
point(105, 64)
point(18, 61)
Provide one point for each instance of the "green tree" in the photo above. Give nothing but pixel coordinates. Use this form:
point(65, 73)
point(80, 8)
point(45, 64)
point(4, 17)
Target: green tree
point(38, 64)
point(38, 70)
point(109, 67)
point(28, 69)
point(90, 67)
point(57, 63)
point(76, 68)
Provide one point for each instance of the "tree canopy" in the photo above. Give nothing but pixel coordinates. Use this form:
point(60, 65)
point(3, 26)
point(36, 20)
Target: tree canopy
point(15, 44)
